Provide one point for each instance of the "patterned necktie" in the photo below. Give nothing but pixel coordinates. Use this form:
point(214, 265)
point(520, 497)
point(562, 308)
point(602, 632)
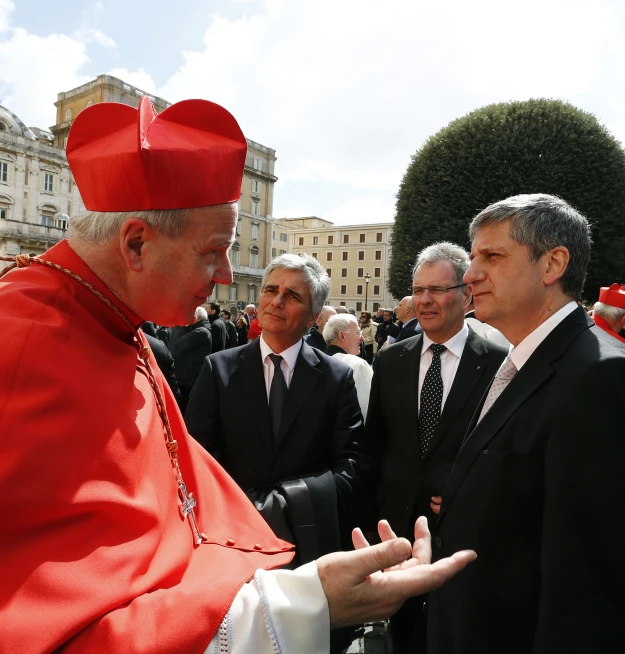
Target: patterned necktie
point(504, 376)
point(431, 399)
point(277, 395)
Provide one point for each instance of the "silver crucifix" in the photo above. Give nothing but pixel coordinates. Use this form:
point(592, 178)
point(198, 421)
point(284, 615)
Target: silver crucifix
point(187, 502)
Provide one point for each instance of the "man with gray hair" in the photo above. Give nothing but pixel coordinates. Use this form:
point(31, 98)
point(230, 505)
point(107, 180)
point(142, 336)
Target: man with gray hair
point(314, 337)
point(424, 393)
point(609, 311)
point(344, 338)
point(302, 458)
point(539, 485)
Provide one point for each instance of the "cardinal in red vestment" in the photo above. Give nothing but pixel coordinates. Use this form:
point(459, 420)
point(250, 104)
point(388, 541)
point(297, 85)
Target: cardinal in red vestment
point(609, 311)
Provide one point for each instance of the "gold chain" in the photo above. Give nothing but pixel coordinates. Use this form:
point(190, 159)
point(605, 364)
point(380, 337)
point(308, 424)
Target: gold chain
point(187, 501)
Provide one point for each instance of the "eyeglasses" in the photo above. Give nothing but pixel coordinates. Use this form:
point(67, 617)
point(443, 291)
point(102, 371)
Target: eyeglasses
point(436, 291)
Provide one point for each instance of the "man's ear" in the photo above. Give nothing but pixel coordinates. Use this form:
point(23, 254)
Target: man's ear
point(133, 234)
point(556, 264)
point(467, 298)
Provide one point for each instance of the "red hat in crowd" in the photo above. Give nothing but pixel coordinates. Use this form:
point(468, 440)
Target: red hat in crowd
point(125, 159)
point(614, 295)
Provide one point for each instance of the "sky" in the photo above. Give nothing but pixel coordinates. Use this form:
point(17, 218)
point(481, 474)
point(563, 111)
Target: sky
point(345, 91)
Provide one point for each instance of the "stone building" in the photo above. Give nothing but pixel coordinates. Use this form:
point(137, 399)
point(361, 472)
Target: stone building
point(350, 254)
point(37, 190)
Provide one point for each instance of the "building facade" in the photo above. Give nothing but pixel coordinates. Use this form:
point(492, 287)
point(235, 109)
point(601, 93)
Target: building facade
point(350, 254)
point(37, 190)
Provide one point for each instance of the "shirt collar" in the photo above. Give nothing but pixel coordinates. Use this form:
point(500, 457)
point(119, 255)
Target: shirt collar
point(455, 344)
point(289, 355)
point(407, 323)
point(524, 350)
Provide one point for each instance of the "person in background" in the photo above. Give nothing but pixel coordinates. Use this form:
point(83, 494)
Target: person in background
point(368, 329)
point(232, 339)
point(218, 327)
point(609, 311)
point(242, 331)
point(343, 336)
point(407, 315)
point(387, 330)
point(250, 314)
point(314, 337)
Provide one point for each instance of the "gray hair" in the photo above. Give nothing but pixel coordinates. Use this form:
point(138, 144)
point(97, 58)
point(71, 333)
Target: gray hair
point(336, 324)
point(543, 222)
point(102, 226)
point(312, 272)
point(457, 257)
point(200, 314)
point(608, 312)
point(341, 309)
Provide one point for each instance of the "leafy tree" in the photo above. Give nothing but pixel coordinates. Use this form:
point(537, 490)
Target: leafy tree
point(537, 146)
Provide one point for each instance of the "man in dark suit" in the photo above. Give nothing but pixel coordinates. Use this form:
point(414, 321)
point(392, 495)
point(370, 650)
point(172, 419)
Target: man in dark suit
point(302, 458)
point(314, 337)
point(423, 395)
point(219, 332)
point(538, 487)
point(406, 314)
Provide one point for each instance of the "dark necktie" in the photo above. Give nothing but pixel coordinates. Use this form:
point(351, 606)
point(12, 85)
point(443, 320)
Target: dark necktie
point(431, 399)
point(277, 395)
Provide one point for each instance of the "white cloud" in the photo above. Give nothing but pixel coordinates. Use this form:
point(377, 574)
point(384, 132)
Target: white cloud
point(88, 35)
point(6, 9)
point(346, 91)
point(138, 78)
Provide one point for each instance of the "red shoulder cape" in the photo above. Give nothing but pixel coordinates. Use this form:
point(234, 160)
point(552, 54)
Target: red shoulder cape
point(94, 553)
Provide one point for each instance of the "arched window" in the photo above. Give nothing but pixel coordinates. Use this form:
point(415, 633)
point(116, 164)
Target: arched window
point(232, 292)
point(235, 254)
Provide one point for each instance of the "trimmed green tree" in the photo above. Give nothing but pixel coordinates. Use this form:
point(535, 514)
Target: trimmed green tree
point(537, 146)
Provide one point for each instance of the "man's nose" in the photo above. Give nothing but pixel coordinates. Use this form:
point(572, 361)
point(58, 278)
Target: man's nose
point(473, 274)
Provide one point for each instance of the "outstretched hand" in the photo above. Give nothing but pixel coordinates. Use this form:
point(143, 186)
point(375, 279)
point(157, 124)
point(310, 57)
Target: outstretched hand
point(374, 581)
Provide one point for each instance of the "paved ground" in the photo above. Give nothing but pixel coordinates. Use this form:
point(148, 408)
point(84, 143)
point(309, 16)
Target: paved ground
point(375, 641)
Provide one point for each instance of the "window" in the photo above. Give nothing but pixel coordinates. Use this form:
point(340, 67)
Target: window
point(378, 237)
point(283, 237)
point(47, 182)
point(301, 240)
point(343, 272)
point(282, 251)
point(361, 255)
point(342, 304)
point(3, 213)
point(358, 306)
point(4, 171)
point(61, 222)
point(68, 114)
point(330, 239)
point(314, 255)
point(345, 238)
point(376, 272)
point(376, 289)
point(273, 234)
point(255, 231)
point(232, 293)
point(358, 289)
point(362, 238)
point(329, 271)
point(257, 163)
point(255, 186)
point(376, 306)
point(256, 207)
point(315, 240)
point(273, 252)
point(378, 255)
point(328, 256)
point(345, 256)
point(47, 218)
point(251, 294)
point(361, 272)
point(235, 254)
point(253, 258)
point(238, 231)
point(343, 289)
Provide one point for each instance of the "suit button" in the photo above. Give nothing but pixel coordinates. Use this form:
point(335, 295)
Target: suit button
point(439, 541)
point(230, 542)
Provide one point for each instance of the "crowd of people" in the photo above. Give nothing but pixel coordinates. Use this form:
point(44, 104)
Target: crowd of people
point(295, 471)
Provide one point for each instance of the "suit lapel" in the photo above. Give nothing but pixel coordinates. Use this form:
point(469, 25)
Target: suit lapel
point(411, 361)
point(536, 371)
point(305, 377)
point(470, 369)
point(255, 391)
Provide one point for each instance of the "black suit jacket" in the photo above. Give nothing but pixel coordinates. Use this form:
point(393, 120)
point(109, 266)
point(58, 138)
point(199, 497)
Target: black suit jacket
point(408, 482)
point(410, 329)
point(321, 439)
point(538, 490)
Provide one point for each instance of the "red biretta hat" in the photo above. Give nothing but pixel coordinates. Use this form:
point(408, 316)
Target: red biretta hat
point(614, 295)
point(125, 159)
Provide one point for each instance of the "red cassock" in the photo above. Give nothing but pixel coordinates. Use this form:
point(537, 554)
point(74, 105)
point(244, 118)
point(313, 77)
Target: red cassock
point(94, 553)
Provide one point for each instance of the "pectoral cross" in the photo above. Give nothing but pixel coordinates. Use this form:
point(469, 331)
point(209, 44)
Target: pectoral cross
point(187, 502)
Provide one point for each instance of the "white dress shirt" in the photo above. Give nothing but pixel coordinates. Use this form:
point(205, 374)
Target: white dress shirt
point(287, 365)
point(450, 359)
point(524, 350)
